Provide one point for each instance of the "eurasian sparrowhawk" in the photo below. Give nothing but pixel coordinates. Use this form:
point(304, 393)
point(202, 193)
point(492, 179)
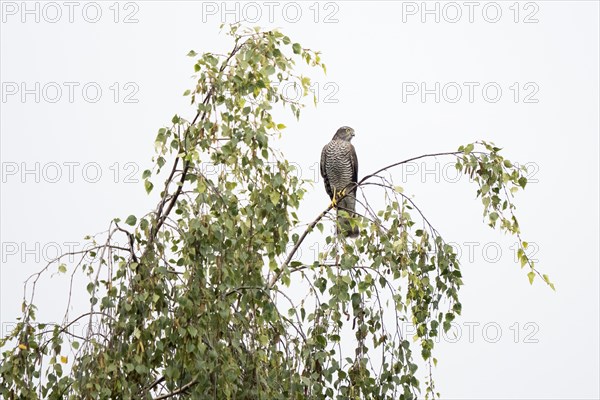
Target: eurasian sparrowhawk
point(339, 169)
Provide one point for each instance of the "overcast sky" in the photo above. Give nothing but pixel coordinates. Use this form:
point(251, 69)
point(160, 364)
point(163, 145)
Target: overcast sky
point(85, 87)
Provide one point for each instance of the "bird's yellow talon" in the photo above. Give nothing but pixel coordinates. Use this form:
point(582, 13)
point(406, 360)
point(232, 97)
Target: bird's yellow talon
point(334, 199)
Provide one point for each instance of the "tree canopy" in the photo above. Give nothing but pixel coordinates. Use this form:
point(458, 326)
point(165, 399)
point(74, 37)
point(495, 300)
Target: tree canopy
point(200, 303)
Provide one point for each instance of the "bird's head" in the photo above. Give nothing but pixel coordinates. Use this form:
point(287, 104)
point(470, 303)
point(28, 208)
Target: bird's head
point(344, 133)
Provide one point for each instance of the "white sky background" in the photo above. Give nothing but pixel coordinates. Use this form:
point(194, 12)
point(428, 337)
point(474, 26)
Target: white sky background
point(513, 340)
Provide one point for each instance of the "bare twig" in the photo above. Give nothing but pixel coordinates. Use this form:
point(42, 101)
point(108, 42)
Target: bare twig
point(180, 390)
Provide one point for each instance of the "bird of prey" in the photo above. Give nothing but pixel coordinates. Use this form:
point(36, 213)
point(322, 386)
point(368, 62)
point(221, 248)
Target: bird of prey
point(339, 169)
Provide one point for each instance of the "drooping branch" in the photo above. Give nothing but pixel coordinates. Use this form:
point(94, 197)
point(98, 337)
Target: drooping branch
point(311, 226)
point(363, 182)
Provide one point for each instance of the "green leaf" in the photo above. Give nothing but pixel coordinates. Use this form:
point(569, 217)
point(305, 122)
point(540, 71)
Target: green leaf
point(148, 186)
point(192, 330)
point(270, 70)
point(141, 369)
point(62, 268)
point(297, 48)
point(131, 220)
point(493, 216)
point(522, 257)
point(485, 201)
point(531, 276)
point(522, 182)
point(274, 196)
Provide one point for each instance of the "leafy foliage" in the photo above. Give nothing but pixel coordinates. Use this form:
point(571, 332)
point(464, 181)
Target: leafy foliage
point(196, 305)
